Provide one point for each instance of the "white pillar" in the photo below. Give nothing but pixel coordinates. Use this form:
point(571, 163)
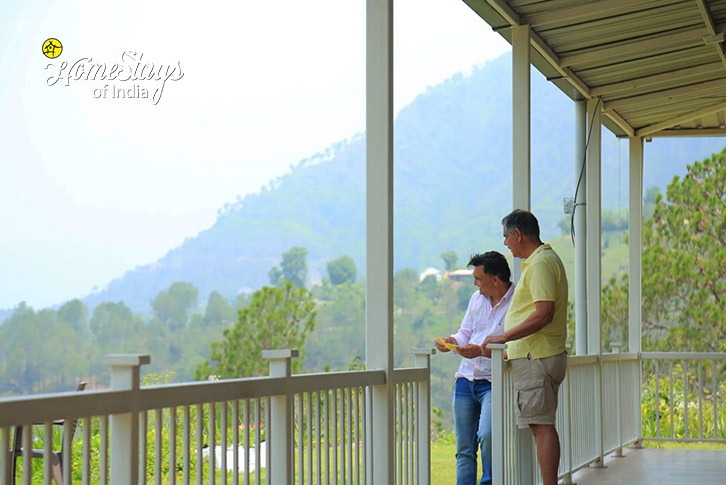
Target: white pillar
point(580, 227)
point(379, 233)
point(521, 190)
point(280, 468)
point(125, 427)
point(521, 186)
point(635, 241)
point(635, 238)
point(593, 228)
point(423, 418)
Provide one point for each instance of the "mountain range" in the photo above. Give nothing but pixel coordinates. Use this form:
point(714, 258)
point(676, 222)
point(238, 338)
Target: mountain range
point(452, 185)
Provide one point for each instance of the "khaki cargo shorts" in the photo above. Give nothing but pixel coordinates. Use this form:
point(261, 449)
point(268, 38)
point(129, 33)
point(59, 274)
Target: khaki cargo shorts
point(536, 382)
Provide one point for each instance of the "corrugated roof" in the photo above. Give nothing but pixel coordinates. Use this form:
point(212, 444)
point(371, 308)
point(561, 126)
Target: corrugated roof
point(659, 65)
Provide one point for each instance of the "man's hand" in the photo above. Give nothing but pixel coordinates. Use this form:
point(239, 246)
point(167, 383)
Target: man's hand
point(470, 351)
point(439, 342)
point(492, 339)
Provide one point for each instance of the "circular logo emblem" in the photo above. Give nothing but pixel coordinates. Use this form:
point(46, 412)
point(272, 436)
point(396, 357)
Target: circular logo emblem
point(52, 48)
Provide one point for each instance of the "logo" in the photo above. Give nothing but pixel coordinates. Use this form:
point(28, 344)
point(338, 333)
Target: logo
point(131, 78)
point(52, 48)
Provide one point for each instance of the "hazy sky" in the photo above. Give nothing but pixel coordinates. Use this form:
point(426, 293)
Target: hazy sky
point(92, 185)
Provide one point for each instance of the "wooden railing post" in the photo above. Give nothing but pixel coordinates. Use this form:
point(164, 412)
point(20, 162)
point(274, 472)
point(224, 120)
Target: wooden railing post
point(423, 417)
point(616, 346)
point(125, 427)
point(498, 443)
point(280, 438)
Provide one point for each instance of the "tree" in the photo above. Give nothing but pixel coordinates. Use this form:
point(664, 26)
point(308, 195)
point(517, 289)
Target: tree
point(342, 270)
point(293, 267)
point(75, 313)
point(684, 259)
point(450, 259)
point(276, 318)
point(172, 306)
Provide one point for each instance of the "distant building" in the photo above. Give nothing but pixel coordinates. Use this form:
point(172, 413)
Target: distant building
point(430, 271)
point(461, 275)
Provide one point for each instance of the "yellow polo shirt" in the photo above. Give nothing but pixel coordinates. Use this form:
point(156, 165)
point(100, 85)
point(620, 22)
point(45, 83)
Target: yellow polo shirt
point(543, 279)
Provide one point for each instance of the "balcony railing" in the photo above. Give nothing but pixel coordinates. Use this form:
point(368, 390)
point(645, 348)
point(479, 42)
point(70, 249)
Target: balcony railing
point(600, 410)
point(309, 428)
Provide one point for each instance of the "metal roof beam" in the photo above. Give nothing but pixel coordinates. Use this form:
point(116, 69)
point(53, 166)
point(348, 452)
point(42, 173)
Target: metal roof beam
point(708, 20)
point(620, 121)
point(590, 11)
point(505, 11)
point(689, 132)
point(677, 120)
point(665, 94)
point(655, 79)
point(681, 40)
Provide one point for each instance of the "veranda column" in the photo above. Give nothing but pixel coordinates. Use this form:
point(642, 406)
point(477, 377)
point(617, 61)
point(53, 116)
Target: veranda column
point(593, 227)
point(593, 261)
point(521, 190)
point(580, 228)
point(635, 238)
point(379, 234)
point(125, 427)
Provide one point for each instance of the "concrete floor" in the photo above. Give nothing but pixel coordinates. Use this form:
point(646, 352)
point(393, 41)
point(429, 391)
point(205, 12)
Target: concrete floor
point(649, 466)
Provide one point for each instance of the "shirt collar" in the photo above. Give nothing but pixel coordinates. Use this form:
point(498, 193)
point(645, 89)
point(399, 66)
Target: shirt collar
point(539, 249)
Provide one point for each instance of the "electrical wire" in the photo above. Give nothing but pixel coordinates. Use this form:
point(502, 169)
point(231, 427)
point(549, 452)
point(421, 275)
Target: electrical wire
point(582, 171)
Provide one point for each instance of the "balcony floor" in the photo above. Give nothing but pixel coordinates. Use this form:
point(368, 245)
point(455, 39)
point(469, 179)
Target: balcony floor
point(650, 466)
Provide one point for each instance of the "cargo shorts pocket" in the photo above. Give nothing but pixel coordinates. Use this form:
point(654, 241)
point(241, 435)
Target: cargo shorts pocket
point(531, 396)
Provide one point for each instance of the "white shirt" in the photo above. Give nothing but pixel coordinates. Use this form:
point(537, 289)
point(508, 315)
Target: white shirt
point(481, 320)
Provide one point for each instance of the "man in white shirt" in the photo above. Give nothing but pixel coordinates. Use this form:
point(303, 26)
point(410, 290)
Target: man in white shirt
point(472, 391)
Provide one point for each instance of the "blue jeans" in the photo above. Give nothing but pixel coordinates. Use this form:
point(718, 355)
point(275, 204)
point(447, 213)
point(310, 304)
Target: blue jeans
point(473, 426)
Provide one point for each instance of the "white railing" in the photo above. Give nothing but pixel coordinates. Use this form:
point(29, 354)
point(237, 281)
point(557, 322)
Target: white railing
point(685, 399)
point(598, 414)
point(309, 428)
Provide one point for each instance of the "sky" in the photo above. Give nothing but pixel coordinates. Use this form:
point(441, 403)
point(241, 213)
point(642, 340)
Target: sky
point(93, 185)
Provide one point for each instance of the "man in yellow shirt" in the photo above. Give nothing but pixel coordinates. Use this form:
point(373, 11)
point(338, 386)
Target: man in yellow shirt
point(535, 331)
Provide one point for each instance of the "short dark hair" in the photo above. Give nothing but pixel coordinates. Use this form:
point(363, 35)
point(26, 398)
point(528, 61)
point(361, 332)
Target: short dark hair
point(494, 263)
point(524, 221)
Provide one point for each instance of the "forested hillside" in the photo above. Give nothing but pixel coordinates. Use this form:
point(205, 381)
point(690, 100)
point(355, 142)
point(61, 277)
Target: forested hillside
point(452, 186)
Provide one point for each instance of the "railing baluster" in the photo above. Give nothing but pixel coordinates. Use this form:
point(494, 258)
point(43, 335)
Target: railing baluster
point(258, 420)
point(685, 399)
point(309, 407)
point(143, 416)
point(657, 402)
point(103, 459)
point(4, 457)
point(186, 446)
point(334, 398)
point(246, 439)
point(406, 436)
point(700, 401)
point(235, 442)
point(714, 394)
point(349, 440)
point(670, 369)
point(157, 446)
point(27, 455)
point(67, 445)
point(327, 437)
point(172, 445)
point(200, 443)
point(86, 473)
point(211, 458)
point(47, 449)
point(223, 432)
point(356, 437)
point(399, 433)
point(343, 436)
point(300, 441)
point(318, 436)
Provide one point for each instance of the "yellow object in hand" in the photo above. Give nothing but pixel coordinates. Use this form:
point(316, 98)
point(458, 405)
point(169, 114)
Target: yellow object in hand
point(447, 344)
